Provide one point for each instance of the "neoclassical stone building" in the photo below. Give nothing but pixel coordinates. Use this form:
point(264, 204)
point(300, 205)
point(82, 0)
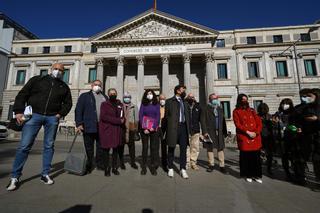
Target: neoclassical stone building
point(158, 51)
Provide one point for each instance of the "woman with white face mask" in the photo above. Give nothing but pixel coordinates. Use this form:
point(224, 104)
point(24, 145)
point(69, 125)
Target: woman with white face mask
point(149, 119)
point(283, 120)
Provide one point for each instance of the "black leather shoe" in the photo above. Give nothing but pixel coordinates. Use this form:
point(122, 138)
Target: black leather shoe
point(115, 172)
point(210, 169)
point(223, 170)
point(134, 165)
point(107, 172)
point(153, 172)
point(143, 171)
point(122, 166)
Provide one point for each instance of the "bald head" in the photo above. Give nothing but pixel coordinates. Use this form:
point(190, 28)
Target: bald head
point(190, 95)
point(58, 66)
point(162, 97)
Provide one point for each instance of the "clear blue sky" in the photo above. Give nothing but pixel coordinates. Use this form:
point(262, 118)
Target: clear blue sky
point(84, 18)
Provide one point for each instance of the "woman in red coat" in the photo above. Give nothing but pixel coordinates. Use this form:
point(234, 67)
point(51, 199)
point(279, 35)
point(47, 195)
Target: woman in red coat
point(248, 126)
point(110, 130)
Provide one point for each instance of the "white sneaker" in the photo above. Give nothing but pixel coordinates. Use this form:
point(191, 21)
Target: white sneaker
point(184, 174)
point(47, 180)
point(249, 180)
point(170, 173)
point(13, 185)
point(258, 180)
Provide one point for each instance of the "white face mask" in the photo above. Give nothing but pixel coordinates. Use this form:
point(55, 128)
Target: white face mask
point(96, 89)
point(304, 99)
point(162, 102)
point(149, 97)
point(309, 100)
point(285, 106)
point(56, 73)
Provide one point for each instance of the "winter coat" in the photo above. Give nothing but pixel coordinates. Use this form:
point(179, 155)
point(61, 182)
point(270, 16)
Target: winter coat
point(246, 119)
point(110, 125)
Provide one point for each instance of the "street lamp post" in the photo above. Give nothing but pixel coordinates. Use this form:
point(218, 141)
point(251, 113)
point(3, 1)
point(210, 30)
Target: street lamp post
point(294, 45)
point(297, 67)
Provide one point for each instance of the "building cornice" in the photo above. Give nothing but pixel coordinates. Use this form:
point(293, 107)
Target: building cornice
point(284, 44)
point(154, 41)
point(45, 55)
point(49, 40)
point(270, 28)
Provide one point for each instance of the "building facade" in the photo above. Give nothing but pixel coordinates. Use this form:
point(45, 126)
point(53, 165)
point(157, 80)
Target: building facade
point(158, 51)
point(9, 31)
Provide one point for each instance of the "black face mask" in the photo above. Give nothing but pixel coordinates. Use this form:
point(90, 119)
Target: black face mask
point(113, 97)
point(245, 104)
point(190, 101)
point(183, 95)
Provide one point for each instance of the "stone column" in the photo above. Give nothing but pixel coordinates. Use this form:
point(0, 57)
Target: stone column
point(140, 83)
point(76, 73)
point(165, 74)
point(209, 73)
point(10, 76)
point(33, 71)
point(120, 73)
point(187, 71)
point(100, 69)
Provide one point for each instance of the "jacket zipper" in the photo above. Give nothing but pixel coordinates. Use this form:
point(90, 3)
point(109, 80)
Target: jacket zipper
point(45, 111)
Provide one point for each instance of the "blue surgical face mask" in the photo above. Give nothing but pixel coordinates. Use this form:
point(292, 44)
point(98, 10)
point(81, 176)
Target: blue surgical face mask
point(215, 102)
point(127, 100)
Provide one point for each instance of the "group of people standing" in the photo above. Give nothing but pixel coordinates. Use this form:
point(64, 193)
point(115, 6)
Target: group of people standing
point(293, 132)
point(159, 122)
point(111, 124)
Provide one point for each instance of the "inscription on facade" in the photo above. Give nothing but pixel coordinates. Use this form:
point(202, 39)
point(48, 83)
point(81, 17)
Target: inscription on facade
point(157, 50)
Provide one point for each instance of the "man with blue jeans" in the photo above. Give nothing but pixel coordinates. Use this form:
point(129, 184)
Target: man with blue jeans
point(50, 99)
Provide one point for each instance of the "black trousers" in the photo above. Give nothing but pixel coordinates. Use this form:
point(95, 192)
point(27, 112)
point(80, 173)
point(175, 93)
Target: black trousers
point(89, 139)
point(250, 164)
point(182, 138)
point(316, 154)
point(268, 146)
point(106, 156)
point(132, 149)
point(164, 150)
point(153, 139)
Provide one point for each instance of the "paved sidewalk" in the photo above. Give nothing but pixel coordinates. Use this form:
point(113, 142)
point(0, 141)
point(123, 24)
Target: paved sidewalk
point(131, 192)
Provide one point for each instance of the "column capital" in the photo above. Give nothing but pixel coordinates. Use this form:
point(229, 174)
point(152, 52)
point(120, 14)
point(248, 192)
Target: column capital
point(165, 59)
point(140, 59)
point(99, 61)
point(120, 60)
point(209, 56)
point(187, 57)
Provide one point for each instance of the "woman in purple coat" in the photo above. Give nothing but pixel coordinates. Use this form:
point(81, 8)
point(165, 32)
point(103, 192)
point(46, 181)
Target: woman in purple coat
point(149, 119)
point(110, 130)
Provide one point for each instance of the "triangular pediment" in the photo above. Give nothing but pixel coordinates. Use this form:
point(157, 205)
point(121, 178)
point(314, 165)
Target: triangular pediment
point(154, 24)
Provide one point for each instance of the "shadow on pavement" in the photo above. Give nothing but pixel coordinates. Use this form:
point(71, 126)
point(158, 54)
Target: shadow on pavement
point(57, 169)
point(78, 209)
point(147, 210)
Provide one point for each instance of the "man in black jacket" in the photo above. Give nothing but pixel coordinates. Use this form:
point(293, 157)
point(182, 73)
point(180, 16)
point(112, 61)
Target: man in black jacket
point(87, 115)
point(194, 139)
point(50, 99)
